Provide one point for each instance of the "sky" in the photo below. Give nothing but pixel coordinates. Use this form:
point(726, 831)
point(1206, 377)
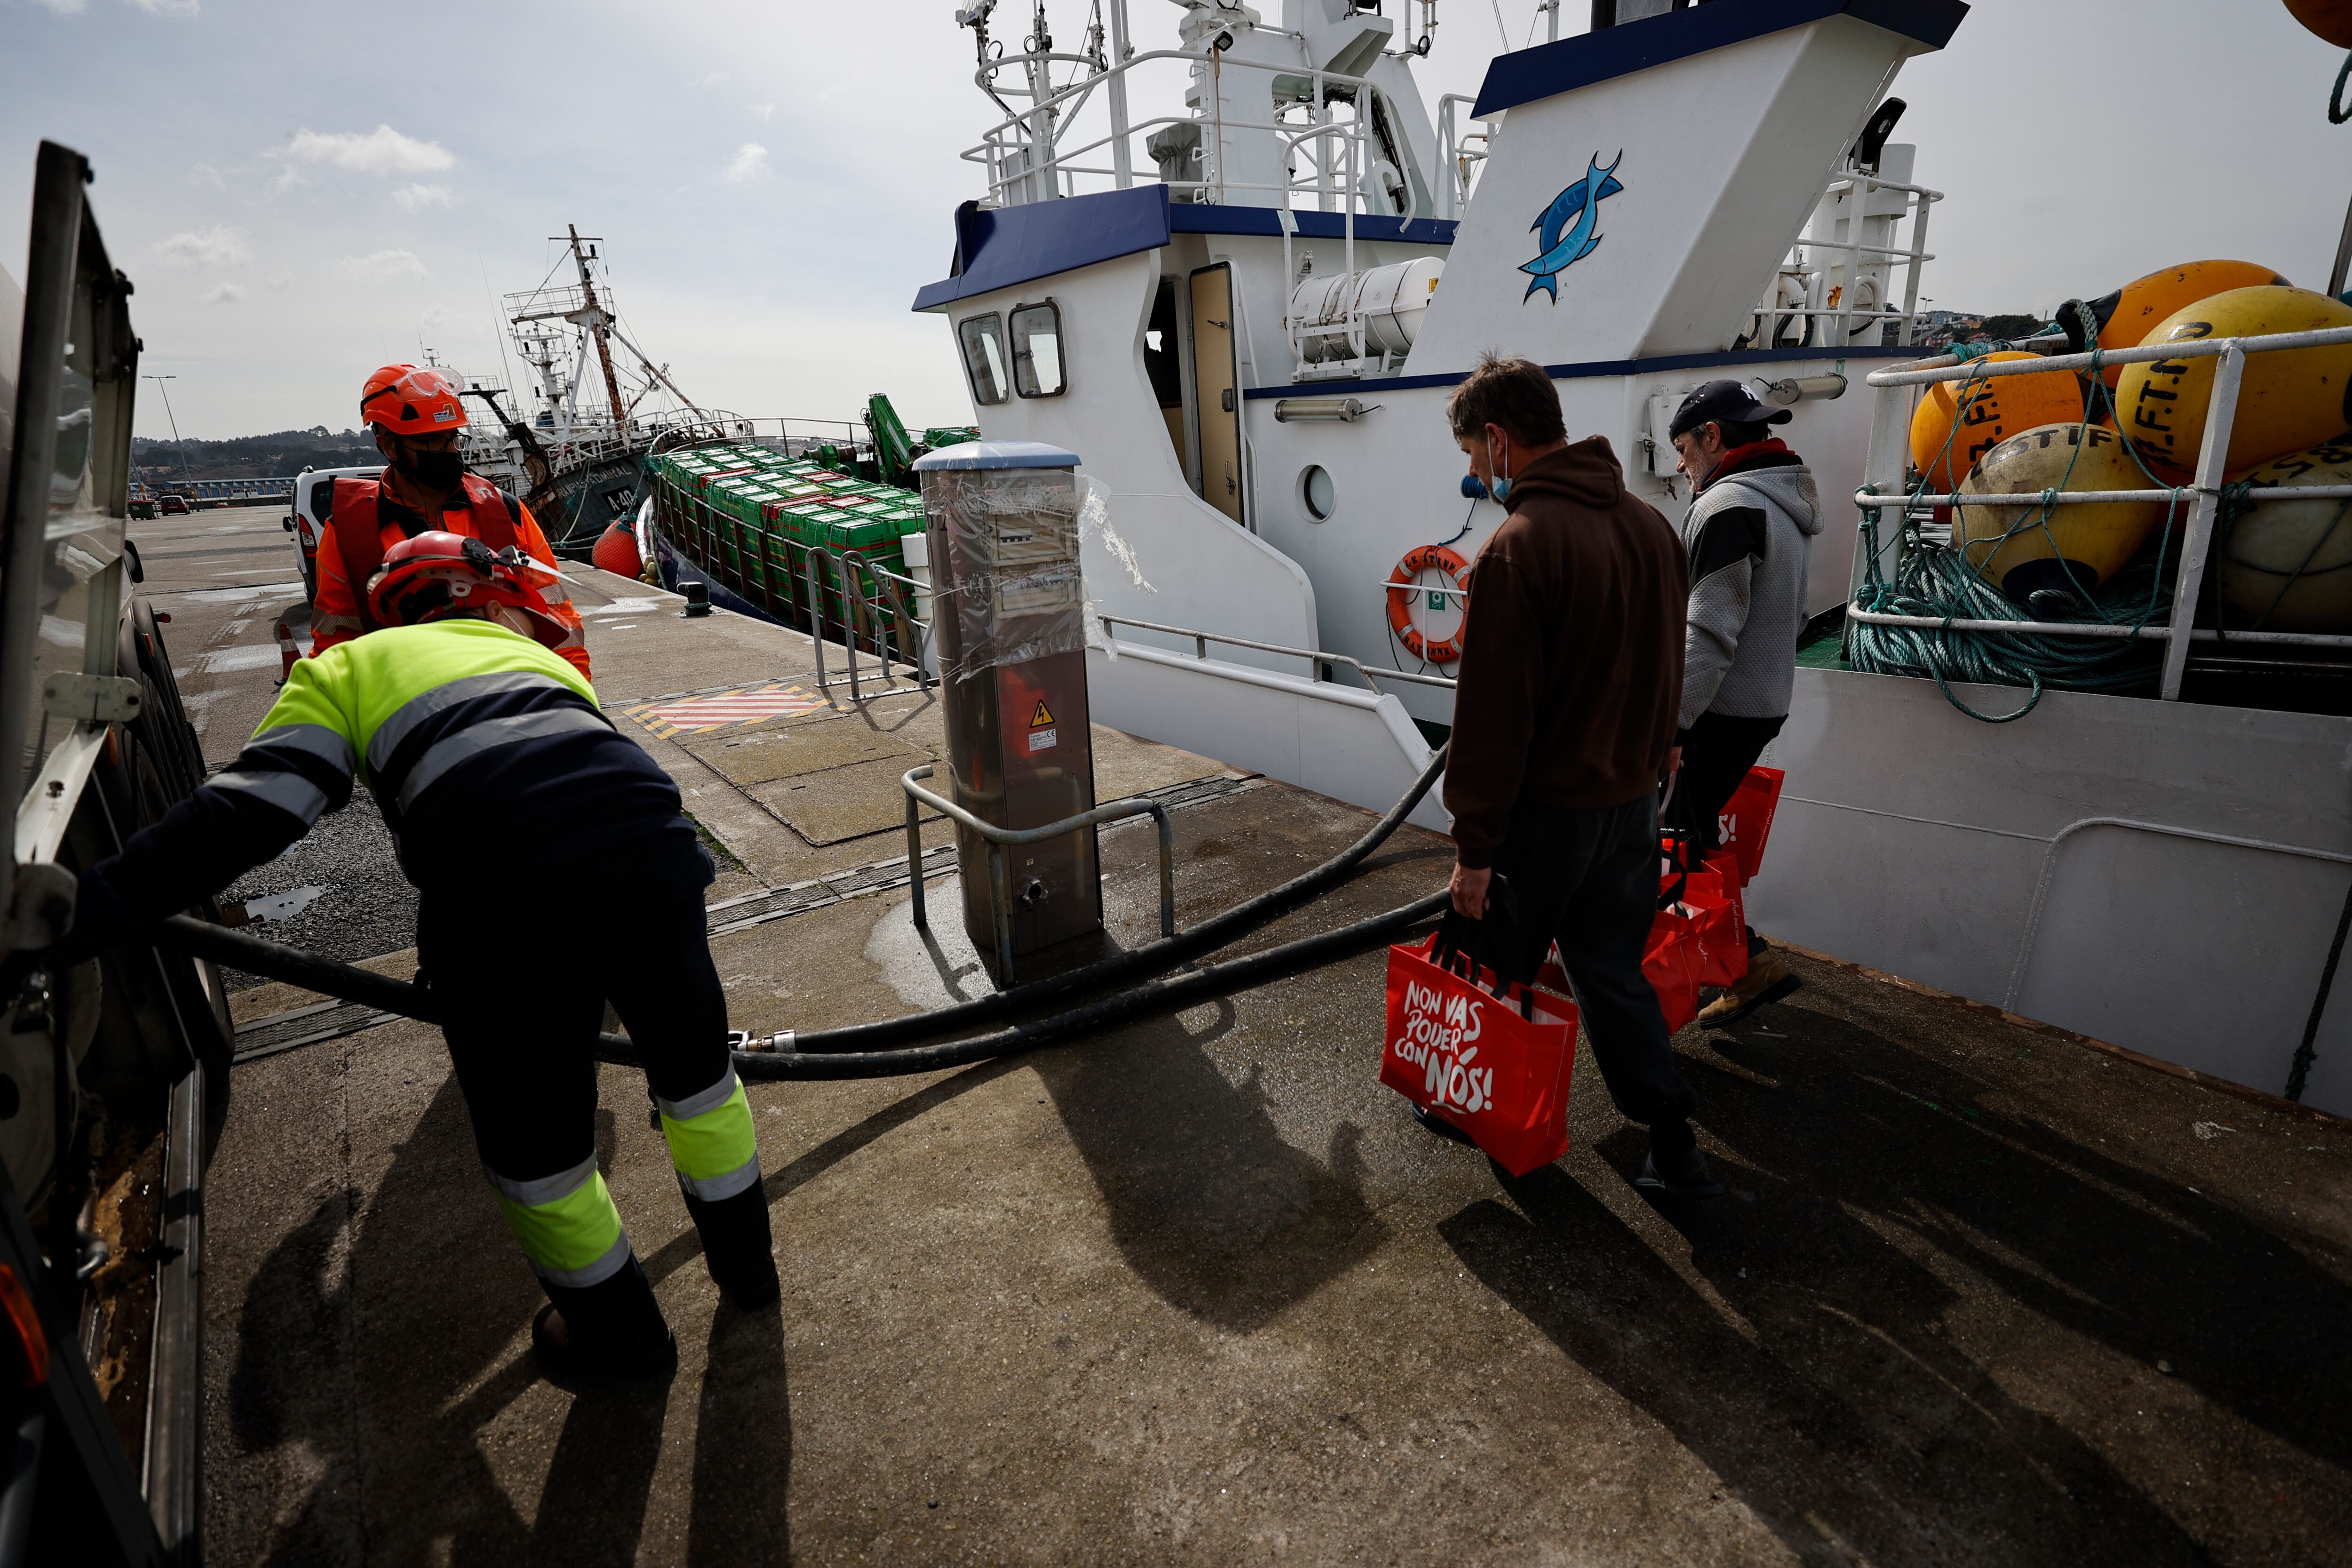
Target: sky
point(302, 192)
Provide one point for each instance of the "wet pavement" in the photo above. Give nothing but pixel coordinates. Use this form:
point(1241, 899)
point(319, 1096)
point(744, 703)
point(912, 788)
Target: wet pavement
point(1196, 1290)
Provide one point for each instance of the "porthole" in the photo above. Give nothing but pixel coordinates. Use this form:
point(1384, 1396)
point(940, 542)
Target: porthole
point(1316, 495)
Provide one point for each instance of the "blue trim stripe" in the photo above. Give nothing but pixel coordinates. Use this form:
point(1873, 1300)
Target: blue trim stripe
point(1548, 70)
point(1587, 370)
point(1004, 247)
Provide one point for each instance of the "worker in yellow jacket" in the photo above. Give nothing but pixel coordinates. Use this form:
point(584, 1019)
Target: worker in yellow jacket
point(556, 869)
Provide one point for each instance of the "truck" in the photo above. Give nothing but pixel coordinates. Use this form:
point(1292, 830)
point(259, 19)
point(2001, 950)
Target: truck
point(114, 1071)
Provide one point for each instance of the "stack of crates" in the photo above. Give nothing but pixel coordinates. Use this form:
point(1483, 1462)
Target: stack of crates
point(761, 511)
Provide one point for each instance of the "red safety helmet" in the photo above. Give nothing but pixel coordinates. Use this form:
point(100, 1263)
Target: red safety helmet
point(439, 574)
point(409, 400)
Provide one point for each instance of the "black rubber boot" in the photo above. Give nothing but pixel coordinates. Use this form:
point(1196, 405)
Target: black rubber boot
point(1675, 1168)
point(613, 1328)
point(737, 1245)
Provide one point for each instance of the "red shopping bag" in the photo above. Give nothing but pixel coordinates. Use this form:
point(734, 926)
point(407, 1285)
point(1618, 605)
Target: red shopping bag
point(1671, 962)
point(1722, 941)
point(1495, 1066)
point(1732, 949)
point(1746, 820)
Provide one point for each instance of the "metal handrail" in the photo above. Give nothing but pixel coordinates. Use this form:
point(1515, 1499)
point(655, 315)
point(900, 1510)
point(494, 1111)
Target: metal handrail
point(1202, 641)
point(2093, 629)
point(1000, 894)
point(1951, 367)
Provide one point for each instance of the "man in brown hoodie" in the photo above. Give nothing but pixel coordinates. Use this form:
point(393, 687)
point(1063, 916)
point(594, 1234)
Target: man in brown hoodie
point(1569, 685)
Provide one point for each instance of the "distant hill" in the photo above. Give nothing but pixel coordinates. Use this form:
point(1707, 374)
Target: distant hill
point(158, 463)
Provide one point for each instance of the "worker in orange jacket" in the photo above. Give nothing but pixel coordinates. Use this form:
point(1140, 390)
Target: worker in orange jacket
point(416, 414)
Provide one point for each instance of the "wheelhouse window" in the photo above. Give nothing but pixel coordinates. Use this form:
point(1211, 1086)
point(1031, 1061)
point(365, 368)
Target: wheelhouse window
point(1037, 351)
point(983, 355)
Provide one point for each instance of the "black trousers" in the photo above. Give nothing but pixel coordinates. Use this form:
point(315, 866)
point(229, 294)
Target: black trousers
point(1589, 881)
point(521, 972)
point(1717, 752)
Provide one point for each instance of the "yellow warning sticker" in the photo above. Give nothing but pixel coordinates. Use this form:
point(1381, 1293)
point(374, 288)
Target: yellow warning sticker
point(1041, 718)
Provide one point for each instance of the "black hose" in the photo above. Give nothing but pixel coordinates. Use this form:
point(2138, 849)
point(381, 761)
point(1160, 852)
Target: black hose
point(1220, 929)
point(851, 1052)
point(1162, 995)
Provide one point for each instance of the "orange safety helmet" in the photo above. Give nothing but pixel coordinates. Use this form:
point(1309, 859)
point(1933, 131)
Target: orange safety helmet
point(438, 575)
point(409, 400)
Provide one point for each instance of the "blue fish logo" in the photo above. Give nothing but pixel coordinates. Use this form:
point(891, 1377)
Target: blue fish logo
point(1575, 210)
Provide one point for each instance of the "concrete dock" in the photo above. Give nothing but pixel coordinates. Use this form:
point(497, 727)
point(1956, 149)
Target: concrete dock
point(1195, 1290)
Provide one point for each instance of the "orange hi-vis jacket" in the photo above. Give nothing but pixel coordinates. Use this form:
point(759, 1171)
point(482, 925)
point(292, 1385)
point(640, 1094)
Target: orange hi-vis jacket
point(353, 544)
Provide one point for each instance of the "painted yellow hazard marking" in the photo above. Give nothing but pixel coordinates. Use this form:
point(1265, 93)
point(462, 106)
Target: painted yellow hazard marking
point(1041, 718)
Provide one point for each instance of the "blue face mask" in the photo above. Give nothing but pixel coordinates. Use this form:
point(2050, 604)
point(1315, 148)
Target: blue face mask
point(1501, 489)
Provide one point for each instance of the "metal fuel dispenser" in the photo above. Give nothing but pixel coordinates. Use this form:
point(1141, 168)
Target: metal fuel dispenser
point(1009, 622)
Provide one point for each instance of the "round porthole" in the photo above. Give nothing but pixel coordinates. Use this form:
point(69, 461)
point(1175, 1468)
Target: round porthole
point(1315, 492)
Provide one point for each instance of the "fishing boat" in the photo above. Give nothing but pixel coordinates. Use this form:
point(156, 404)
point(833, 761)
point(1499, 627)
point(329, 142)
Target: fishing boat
point(1239, 274)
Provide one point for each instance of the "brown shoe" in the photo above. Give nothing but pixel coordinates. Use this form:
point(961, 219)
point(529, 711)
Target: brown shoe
point(1768, 980)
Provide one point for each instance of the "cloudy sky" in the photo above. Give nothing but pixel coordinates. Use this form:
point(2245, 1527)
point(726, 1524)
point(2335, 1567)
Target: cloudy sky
point(301, 192)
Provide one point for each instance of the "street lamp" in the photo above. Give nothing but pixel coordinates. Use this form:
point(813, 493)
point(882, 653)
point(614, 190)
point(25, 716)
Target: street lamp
point(184, 474)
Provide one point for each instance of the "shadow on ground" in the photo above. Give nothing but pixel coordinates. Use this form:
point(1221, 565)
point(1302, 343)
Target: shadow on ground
point(1823, 1382)
point(442, 1333)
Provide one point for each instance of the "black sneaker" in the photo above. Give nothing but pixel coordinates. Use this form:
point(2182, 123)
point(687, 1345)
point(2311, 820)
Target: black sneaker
point(1432, 1122)
point(1688, 1181)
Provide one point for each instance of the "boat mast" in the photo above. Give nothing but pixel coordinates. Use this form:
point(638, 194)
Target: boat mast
point(592, 316)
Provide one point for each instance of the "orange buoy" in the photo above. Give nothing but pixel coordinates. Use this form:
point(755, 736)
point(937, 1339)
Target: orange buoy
point(616, 551)
point(2148, 300)
point(2331, 19)
point(2286, 565)
point(2017, 548)
point(1959, 421)
point(2288, 400)
point(1423, 558)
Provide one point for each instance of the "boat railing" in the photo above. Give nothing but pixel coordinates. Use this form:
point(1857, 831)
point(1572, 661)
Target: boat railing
point(1817, 300)
point(1456, 155)
point(1317, 661)
point(1883, 489)
point(1026, 162)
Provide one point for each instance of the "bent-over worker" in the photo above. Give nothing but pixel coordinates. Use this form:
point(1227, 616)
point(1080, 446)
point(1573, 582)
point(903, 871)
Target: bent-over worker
point(546, 846)
point(1749, 532)
point(1564, 725)
point(416, 414)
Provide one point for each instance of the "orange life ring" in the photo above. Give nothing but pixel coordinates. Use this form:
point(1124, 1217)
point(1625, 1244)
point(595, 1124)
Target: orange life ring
point(1423, 558)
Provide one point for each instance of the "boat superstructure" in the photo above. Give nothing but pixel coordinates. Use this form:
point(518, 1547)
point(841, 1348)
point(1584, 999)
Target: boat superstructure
point(1250, 352)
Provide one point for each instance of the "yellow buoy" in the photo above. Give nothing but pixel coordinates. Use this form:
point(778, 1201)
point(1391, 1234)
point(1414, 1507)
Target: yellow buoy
point(2286, 565)
point(2076, 548)
point(2145, 302)
point(2288, 400)
point(1959, 421)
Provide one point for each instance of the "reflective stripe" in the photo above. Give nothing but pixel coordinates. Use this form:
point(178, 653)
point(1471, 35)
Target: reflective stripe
point(335, 625)
point(712, 1189)
point(416, 710)
point(566, 1222)
point(329, 746)
point(289, 793)
point(616, 1258)
point(491, 733)
point(713, 1149)
point(708, 1100)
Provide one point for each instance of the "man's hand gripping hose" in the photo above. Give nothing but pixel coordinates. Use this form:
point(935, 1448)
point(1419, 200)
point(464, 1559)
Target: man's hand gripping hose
point(862, 1050)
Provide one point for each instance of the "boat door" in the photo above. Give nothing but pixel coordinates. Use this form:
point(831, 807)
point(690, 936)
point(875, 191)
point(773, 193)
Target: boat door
point(1216, 388)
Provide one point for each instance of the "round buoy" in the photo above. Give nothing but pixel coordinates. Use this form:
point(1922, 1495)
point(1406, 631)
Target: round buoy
point(616, 551)
point(2289, 400)
point(1406, 587)
point(2331, 19)
point(2075, 548)
point(2286, 565)
point(2145, 302)
point(1945, 442)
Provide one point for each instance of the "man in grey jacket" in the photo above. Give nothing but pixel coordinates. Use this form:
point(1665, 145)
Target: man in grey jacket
point(1749, 532)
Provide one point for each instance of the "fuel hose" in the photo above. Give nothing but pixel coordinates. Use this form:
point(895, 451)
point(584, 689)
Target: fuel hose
point(882, 1049)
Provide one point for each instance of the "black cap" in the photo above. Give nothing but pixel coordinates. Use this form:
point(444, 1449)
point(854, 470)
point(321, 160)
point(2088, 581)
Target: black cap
point(1724, 403)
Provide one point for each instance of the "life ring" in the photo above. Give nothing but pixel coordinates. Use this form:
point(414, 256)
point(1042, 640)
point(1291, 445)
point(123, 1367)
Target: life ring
point(1423, 558)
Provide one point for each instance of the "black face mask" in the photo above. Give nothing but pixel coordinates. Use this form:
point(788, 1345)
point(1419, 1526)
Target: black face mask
point(436, 471)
